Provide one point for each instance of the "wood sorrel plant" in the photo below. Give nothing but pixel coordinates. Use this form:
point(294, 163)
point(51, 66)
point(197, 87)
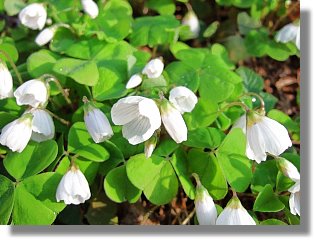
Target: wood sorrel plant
point(185, 112)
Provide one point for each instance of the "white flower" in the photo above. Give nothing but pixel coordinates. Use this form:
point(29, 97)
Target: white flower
point(96, 123)
point(33, 92)
point(15, 135)
point(139, 116)
point(191, 20)
point(43, 125)
point(205, 208)
point(263, 135)
point(149, 146)
point(154, 68)
point(6, 82)
point(134, 81)
point(183, 99)
point(289, 33)
point(90, 8)
point(294, 200)
point(235, 214)
point(173, 121)
point(33, 16)
point(45, 36)
point(288, 169)
point(73, 187)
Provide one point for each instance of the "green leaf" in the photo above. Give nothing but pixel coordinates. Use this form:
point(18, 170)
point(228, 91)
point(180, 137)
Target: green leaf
point(7, 45)
point(252, 81)
point(267, 201)
point(114, 21)
point(6, 199)
point(180, 165)
point(78, 137)
point(41, 62)
point(163, 7)
point(153, 31)
point(181, 74)
point(203, 115)
point(13, 7)
point(34, 159)
point(272, 221)
point(118, 187)
point(211, 29)
point(234, 143)
point(209, 171)
point(265, 173)
point(43, 187)
point(93, 152)
point(166, 147)
point(83, 72)
point(204, 138)
point(237, 170)
point(28, 210)
point(6, 118)
point(155, 176)
point(283, 183)
point(246, 23)
point(284, 119)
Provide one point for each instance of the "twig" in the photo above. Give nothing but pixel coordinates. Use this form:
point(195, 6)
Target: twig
point(17, 73)
point(147, 215)
point(187, 219)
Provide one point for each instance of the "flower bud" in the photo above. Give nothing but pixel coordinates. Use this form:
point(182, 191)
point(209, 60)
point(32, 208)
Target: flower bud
point(235, 214)
point(96, 123)
point(90, 8)
point(33, 92)
point(45, 36)
point(154, 68)
point(33, 16)
point(6, 82)
point(289, 33)
point(134, 81)
point(16, 135)
point(205, 208)
point(288, 169)
point(73, 187)
point(294, 200)
point(173, 121)
point(191, 20)
point(183, 99)
point(149, 145)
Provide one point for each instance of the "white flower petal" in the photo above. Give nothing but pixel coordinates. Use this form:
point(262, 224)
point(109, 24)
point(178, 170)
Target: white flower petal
point(173, 122)
point(288, 169)
point(134, 81)
point(183, 99)
point(6, 82)
point(90, 8)
point(256, 146)
point(191, 20)
point(33, 92)
point(287, 33)
point(33, 16)
point(43, 125)
point(206, 211)
point(294, 203)
point(154, 68)
point(45, 36)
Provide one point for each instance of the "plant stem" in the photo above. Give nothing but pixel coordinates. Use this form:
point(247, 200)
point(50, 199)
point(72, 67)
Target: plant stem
point(262, 102)
point(13, 66)
point(63, 121)
point(187, 219)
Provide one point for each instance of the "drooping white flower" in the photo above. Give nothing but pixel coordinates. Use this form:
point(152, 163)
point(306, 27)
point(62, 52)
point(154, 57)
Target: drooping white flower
point(96, 123)
point(288, 169)
point(139, 116)
point(33, 92)
point(149, 145)
point(294, 200)
point(205, 208)
point(43, 125)
point(289, 33)
point(173, 121)
point(183, 99)
point(73, 187)
point(235, 214)
point(263, 135)
point(45, 36)
point(90, 8)
point(134, 81)
point(154, 68)
point(191, 20)
point(15, 135)
point(6, 82)
point(33, 16)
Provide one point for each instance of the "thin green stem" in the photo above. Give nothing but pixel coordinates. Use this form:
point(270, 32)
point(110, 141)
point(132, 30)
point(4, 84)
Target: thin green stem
point(63, 121)
point(262, 102)
point(7, 56)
